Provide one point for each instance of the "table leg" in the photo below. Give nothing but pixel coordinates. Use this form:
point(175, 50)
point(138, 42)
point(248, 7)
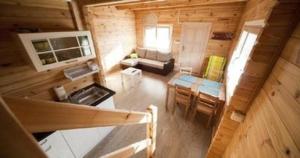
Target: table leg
point(140, 76)
point(167, 98)
point(136, 81)
point(132, 81)
point(122, 78)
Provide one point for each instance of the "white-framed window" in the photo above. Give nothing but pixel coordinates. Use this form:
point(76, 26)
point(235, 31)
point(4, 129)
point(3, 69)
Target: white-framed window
point(158, 37)
point(239, 59)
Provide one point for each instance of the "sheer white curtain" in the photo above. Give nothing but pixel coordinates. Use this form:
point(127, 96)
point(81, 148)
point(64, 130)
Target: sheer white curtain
point(150, 37)
point(157, 37)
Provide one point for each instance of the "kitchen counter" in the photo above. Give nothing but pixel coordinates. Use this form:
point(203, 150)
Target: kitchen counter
point(42, 135)
point(77, 142)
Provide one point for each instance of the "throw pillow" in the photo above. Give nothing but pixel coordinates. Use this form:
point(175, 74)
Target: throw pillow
point(141, 52)
point(164, 56)
point(151, 54)
point(133, 56)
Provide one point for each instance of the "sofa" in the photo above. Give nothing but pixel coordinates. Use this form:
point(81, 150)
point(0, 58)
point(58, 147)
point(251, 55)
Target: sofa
point(150, 60)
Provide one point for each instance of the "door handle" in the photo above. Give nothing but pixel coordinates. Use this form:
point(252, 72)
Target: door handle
point(182, 48)
point(49, 147)
point(45, 141)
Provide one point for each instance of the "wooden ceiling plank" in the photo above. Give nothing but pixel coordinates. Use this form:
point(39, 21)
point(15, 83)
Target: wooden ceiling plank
point(170, 4)
point(94, 3)
point(58, 4)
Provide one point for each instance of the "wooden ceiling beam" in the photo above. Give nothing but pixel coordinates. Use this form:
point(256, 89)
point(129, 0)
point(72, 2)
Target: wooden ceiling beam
point(169, 4)
point(96, 3)
point(57, 4)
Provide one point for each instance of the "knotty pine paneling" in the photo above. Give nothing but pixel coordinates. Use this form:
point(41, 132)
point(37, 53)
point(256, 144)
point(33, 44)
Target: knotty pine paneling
point(115, 33)
point(271, 126)
point(224, 18)
point(17, 76)
point(269, 45)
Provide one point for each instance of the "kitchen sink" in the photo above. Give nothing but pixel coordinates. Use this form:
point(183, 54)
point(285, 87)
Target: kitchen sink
point(91, 95)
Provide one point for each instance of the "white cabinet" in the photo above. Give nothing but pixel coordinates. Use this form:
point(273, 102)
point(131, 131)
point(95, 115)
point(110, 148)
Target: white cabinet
point(55, 49)
point(56, 147)
point(107, 104)
point(83, 140)
point(78, 142)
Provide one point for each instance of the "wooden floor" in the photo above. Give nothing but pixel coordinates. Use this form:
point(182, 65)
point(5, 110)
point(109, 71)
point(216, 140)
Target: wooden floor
point(176, 137)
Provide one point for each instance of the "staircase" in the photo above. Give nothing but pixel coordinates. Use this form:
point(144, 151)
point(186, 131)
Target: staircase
point(20, 117)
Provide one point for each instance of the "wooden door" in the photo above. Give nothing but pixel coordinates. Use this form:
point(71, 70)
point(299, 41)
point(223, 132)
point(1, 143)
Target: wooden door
point(194, 38)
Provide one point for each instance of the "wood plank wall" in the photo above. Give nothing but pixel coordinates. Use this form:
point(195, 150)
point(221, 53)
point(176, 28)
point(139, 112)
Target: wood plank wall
point(115, 34)
point(280, 21)
point(17, 77)
point(271, 127)
point(224, 18)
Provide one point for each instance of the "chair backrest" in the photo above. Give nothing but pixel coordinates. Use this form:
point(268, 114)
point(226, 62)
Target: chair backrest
point(215, 68)
point(183, 93)
point(207, 100)
point(186, 70)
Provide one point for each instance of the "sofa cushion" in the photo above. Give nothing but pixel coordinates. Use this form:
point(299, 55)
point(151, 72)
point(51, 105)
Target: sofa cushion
point(164, 56)
point(130, 62)
point(141, 52)
point(151, 54)
point(152, 63)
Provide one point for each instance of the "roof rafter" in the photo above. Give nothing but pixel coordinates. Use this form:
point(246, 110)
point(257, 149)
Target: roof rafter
point(169, 4)
point(93, 3)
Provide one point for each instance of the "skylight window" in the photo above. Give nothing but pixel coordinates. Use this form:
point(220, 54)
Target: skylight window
point(239, 59)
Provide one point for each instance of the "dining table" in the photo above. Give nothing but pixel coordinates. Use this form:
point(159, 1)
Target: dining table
point(197, 85)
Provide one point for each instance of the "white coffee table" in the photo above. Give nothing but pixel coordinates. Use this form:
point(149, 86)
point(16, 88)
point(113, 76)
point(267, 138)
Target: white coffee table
point(133, 74)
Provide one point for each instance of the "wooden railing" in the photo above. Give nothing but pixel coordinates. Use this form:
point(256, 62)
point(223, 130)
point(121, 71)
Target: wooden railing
point(20, 117)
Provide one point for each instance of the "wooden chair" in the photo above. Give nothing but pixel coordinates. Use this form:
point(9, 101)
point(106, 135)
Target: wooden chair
point(186, 70)
point(183, 96)
point(207, 105)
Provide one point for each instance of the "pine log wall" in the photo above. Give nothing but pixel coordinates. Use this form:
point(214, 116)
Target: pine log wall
point(17, 76)
point(271, 128)
point(224, 18)
point(114, 31)
point(281, 18)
